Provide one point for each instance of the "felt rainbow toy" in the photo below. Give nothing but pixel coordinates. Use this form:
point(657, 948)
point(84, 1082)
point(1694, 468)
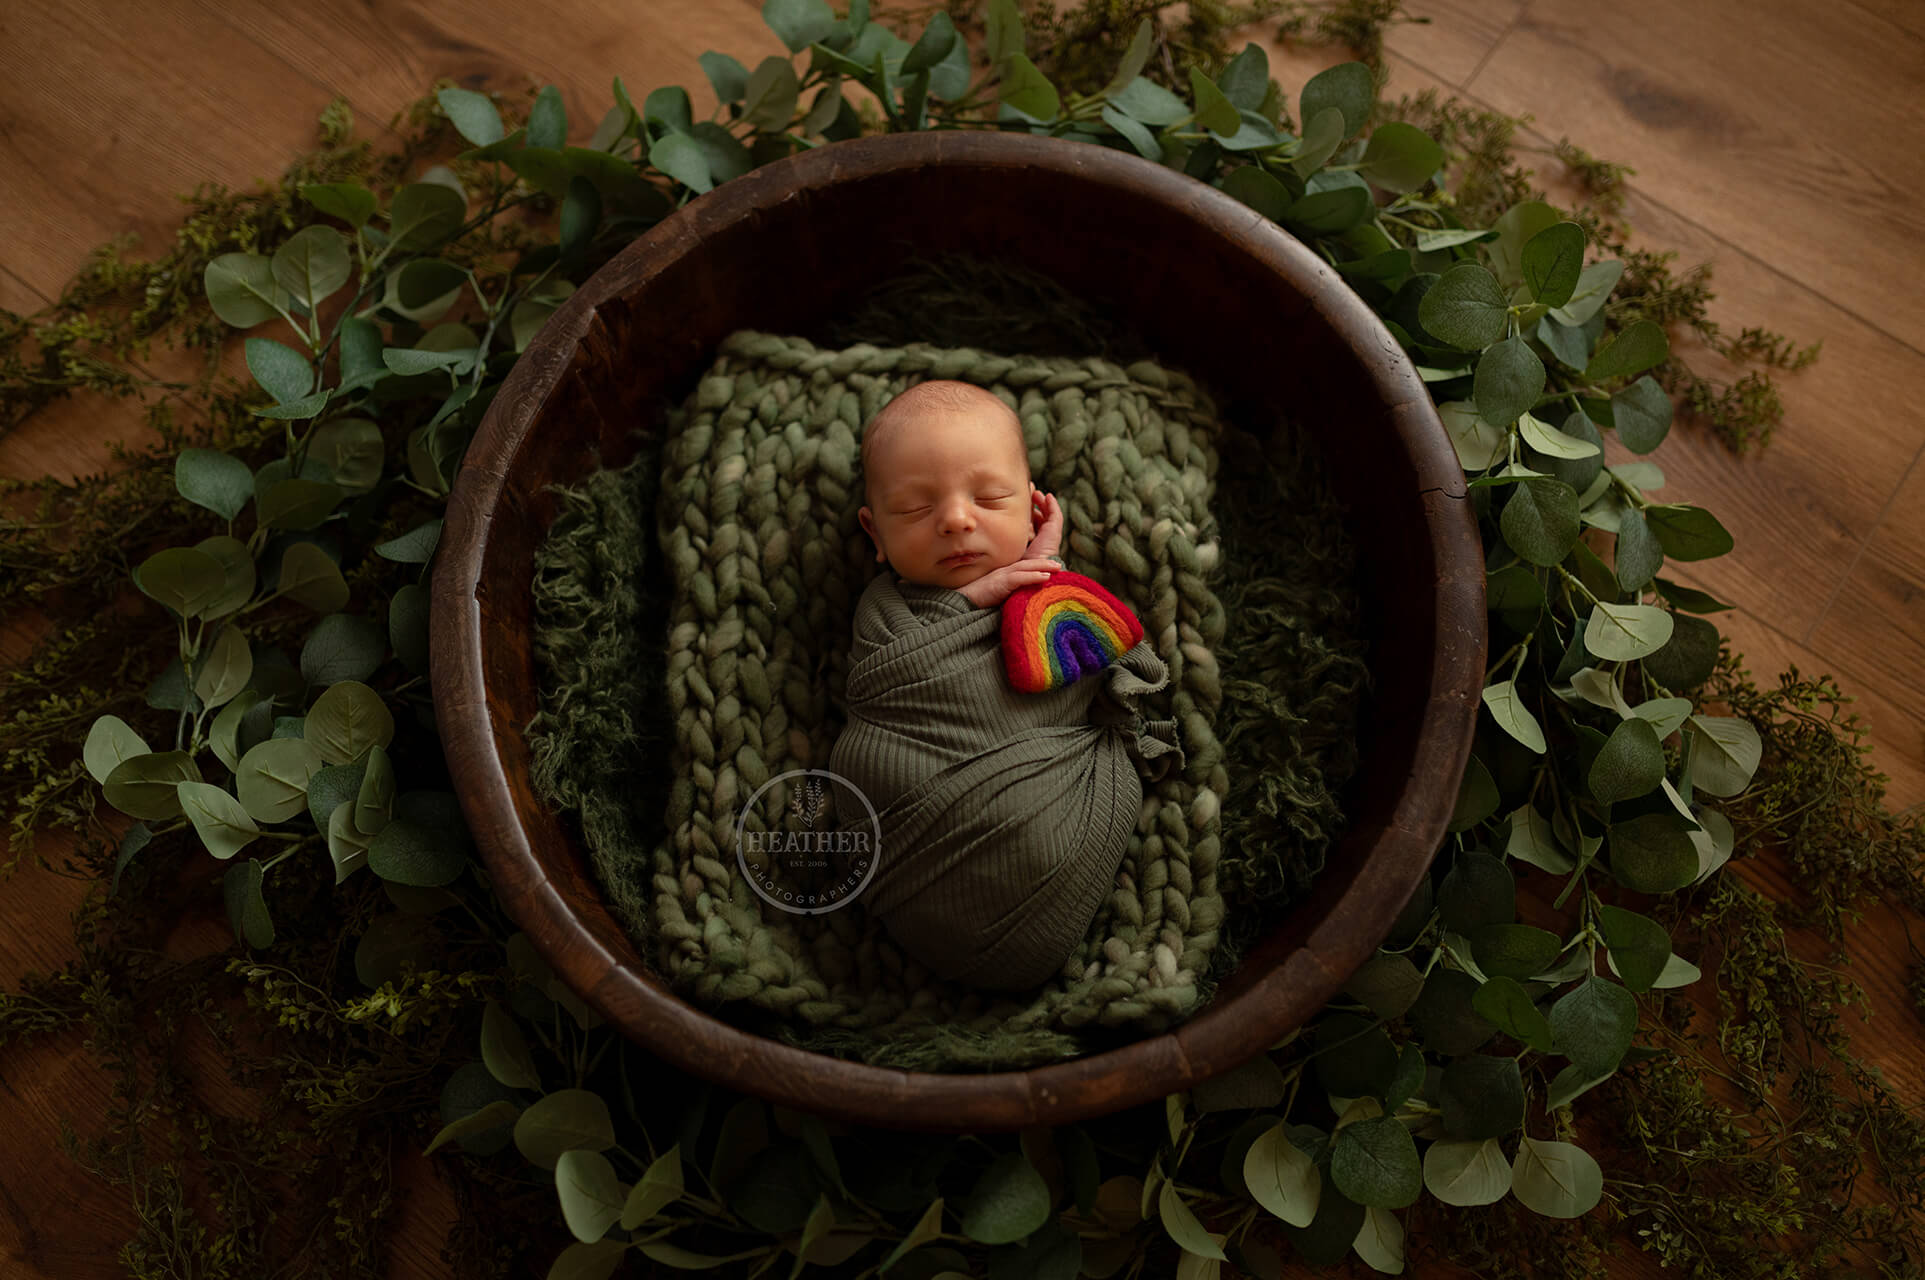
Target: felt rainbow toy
point(1057, 632)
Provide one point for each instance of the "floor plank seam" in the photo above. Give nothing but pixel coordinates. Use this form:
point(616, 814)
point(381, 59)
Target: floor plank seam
point(1865, 545)
point(1886, 19)
point(31, 290)
point(1502, 36)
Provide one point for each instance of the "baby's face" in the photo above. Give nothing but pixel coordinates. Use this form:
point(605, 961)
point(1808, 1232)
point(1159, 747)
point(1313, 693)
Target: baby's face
point(951, 495)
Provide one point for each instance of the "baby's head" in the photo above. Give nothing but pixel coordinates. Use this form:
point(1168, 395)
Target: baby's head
point(946, 474)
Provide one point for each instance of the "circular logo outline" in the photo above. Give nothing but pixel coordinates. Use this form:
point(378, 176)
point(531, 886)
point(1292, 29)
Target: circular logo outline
point(741, 858)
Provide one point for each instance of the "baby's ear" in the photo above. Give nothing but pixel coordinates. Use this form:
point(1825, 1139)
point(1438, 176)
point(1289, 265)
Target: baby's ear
point(869, 527)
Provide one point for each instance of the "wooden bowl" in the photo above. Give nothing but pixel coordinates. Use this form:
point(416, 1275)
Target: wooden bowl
point(1217, 291)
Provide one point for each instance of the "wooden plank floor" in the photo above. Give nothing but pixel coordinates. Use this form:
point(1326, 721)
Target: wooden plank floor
point(1749, 122)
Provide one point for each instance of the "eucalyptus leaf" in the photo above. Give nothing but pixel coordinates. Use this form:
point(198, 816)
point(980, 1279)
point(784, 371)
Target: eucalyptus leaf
point(1622, 632)
point(374, 799)
point(1479, 445)
point(309, 576)
point(1482, 1097)
point(1401, 157)
point(1477, 797)
point(1712, 842)
point(505, 1052)
point(311, 265)
point(1322, 135)
point(662, 1184)
point(473, 115)
point(1540, 522)
point(225, 669)
point(1029, 91)
point(246, 907)
point(110, 741)
point(1724, 755)
point(1506, 1005)
point(1689, 657)
point(1513, 950)
point(1445, 1016)
point(182, 578)
point(1652, 853)
point(1332, 1232)
point(728, 77)
point(424, 214)
point(343, 646)
point(1636, 349)
point(1639, 554)
point(1548, 440)
point(1374, 1162)
point(1556, 1179)
point(242, 290)
point(1509, 379)
point(1282, 1178)
point(771, 98)
point(330, 788)
point(1213, 110)
point(1592, 1024)
point(1380, 1241)
point(1640, 947)
point(1465, 308)
point(1255, 1085)
point(1630, 764)
point(681, 158)
point(1552, 261)
point(1689, 599)
point(416, 854)
point(218, 481)
point(1179, 1221)
point(590, 1193)
point(1507, 708)
point(219, 820)
point(1642, 412)
point(1149, 102)
point(1467, 1172)
point(273, 777)
point(548, 119)
point(298, 503)
point(1594, 285)
point(1516, 227)
point(495, 1115)
point(566, 1120)
point(1008, 1201)
point(1386, 984)
point(1688, 533)
point(798, 23)
point(1349, 87)
point(1533, 841)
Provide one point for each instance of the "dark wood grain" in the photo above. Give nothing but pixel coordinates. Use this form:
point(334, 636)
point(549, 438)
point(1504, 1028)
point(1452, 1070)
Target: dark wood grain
point(1073, 211)
point(131, 105)
point(1805, 107)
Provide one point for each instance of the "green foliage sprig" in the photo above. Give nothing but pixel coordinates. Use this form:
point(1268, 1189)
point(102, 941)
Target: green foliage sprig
point(1442, 1083)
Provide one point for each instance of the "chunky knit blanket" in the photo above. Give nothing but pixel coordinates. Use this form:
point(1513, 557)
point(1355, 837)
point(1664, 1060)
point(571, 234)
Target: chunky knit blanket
point(765, 560)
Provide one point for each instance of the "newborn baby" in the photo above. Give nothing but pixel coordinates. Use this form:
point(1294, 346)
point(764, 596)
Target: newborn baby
point(1004, 814)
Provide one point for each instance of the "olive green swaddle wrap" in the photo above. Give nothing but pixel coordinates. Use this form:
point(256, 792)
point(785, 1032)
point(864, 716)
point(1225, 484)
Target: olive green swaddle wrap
point(1003, 815)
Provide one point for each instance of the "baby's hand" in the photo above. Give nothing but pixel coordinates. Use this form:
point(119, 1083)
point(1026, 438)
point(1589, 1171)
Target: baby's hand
point(990, 590)
point(1047, 515)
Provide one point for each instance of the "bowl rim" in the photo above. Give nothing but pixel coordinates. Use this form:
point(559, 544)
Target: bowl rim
point(1298, 981)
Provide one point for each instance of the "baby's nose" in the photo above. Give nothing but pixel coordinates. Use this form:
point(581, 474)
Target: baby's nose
point(958, 515)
